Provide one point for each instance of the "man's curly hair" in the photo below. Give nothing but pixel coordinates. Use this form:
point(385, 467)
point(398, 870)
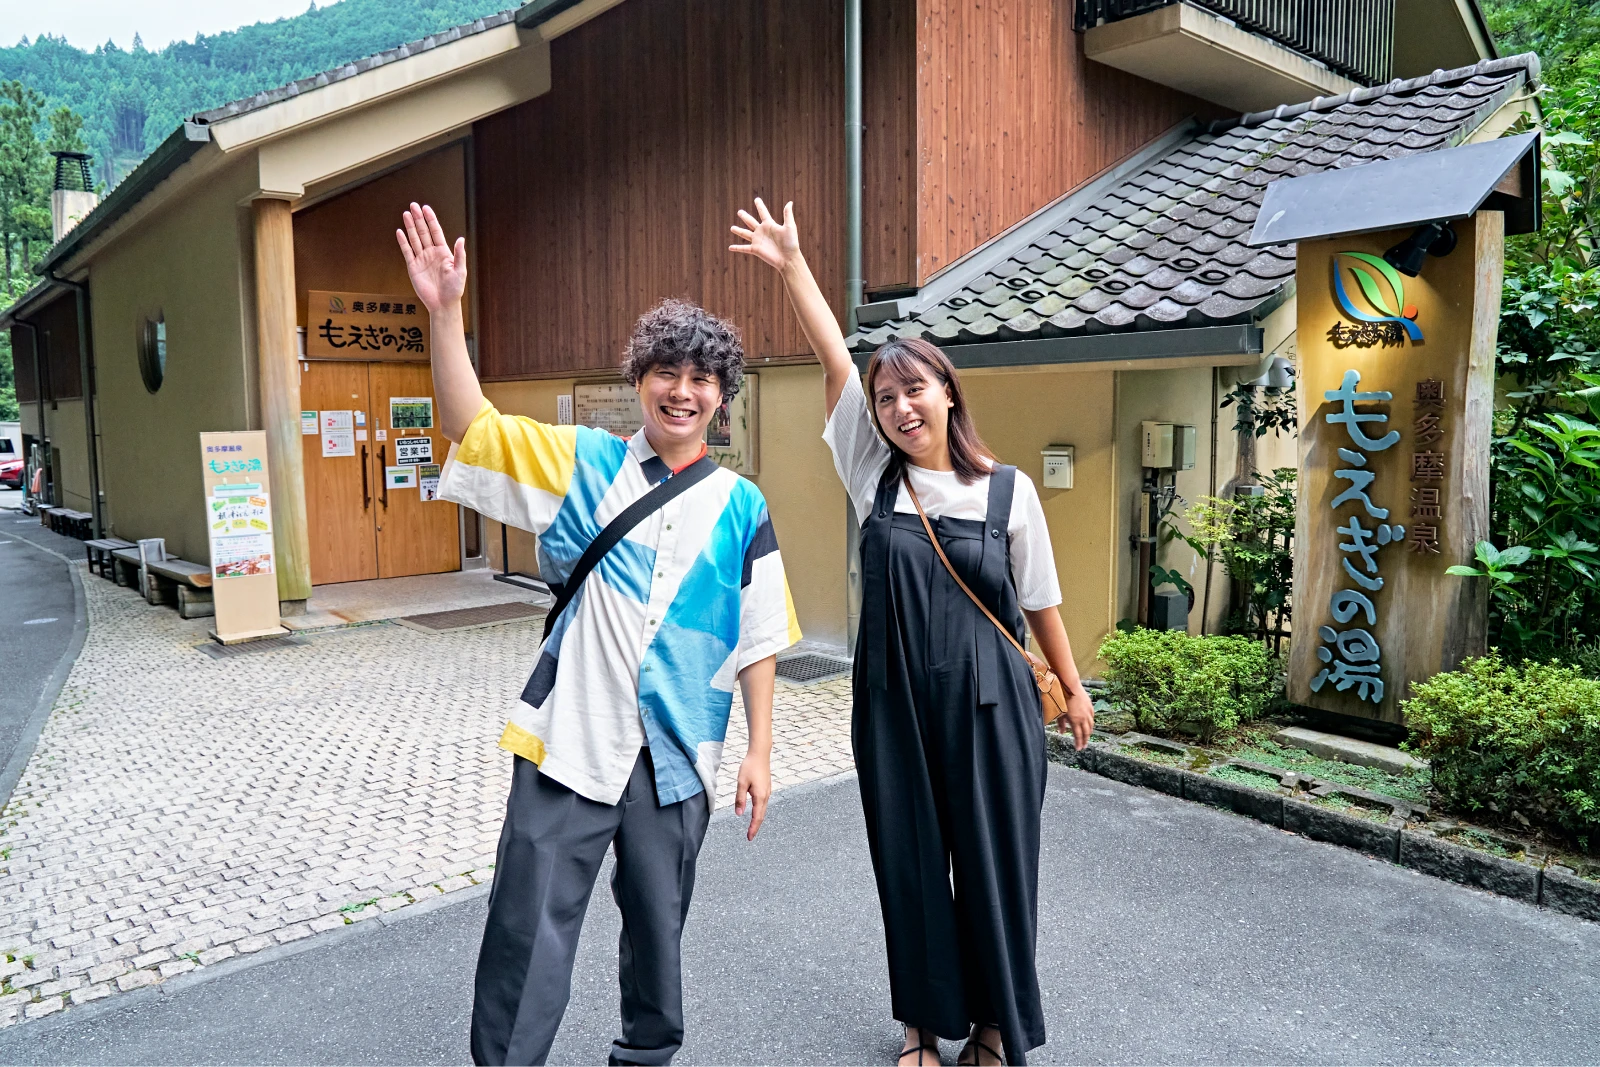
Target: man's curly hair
point(675, 332)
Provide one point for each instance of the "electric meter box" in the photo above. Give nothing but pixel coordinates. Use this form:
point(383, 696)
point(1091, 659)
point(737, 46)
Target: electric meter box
point(1168, 446)
point(1185, 440)
point(1057, 467)
point(1157, 449)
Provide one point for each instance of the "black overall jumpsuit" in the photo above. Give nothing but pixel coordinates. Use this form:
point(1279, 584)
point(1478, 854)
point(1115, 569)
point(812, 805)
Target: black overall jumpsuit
point(949, 744)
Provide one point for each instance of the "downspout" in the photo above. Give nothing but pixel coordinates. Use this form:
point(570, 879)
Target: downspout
point(38, 388)
point(854, 281)
point(86, 386)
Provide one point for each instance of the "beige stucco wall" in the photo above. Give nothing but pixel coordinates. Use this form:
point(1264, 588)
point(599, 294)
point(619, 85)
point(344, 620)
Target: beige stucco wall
point(805, 498)
point(796, 477)
point(192, 262)
point(1177, 396)
point(69, 438)
point(1018, 414)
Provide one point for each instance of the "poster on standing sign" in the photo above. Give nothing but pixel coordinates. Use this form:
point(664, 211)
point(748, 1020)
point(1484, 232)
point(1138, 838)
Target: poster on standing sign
point(241, 530)
point(238, 503)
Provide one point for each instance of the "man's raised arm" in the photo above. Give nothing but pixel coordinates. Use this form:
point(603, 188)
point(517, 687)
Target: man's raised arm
point(439, 276)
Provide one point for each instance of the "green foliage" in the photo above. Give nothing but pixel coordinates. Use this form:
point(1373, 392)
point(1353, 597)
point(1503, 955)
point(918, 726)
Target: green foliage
point(1169, 680)
point(133, 99)
point(1521, 743)
point(1565, 34)
point(1542, 560)
point(1254, 538)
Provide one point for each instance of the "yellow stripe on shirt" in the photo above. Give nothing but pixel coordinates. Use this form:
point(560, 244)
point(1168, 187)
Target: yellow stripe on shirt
point(531, 453)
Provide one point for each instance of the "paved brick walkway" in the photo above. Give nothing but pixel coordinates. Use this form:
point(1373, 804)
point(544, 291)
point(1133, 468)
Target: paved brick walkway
point(181, 810)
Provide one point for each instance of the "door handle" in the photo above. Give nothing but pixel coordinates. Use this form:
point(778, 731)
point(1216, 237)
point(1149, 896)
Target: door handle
point(366, 486)
point(383, 464)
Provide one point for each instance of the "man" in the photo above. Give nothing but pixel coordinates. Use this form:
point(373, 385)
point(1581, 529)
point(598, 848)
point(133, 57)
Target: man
point(619, 731)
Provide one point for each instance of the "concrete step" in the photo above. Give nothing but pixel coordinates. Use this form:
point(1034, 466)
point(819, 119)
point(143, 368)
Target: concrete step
point(1348, 750)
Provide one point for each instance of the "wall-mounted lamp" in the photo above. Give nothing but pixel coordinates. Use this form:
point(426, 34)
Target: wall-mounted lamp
point(1430, 239)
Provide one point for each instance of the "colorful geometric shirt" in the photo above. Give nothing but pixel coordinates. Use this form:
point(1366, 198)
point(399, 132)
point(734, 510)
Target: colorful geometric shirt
point(648, 651)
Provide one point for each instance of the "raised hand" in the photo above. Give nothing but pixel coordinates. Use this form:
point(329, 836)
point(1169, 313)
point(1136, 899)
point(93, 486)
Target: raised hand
point(775, 244)
point(438, 273)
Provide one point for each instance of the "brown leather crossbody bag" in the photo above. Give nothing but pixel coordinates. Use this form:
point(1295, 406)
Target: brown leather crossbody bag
point(1052, 694)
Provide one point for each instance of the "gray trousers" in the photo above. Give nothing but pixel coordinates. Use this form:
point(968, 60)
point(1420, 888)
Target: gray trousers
point(551, 848)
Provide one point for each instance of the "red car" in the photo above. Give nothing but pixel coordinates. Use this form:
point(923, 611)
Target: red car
point(11, 473)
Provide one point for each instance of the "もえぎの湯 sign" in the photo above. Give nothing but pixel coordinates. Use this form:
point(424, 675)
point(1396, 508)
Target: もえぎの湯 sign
point(342, 325)
point(1396, 379)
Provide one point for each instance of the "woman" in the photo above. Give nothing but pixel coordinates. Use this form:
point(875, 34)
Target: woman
point(947, 724)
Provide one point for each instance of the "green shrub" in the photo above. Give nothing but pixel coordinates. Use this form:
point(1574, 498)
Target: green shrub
point(1169, 680)
point(1523, 740)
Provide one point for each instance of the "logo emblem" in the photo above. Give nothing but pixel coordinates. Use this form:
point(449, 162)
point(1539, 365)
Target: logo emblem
point(336, 304)
point(1384, 292)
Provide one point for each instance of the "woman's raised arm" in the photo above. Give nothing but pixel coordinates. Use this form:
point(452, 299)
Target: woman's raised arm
point(778, 245)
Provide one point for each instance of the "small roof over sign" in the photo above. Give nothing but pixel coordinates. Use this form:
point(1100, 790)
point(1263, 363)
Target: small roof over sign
point(1452, 183)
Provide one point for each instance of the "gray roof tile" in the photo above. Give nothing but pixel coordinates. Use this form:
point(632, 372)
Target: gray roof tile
point(1165, 248)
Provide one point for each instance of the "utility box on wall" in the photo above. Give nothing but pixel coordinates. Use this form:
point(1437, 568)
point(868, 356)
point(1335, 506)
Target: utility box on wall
point(1167, 445)
point(1057, 467)
point(1156, 448)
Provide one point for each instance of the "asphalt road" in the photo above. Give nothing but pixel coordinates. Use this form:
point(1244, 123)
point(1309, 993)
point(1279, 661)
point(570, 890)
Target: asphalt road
point(1170, 933)
point(38, 613)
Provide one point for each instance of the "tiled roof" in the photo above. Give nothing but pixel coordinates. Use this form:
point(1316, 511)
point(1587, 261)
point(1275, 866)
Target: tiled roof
point(267, 97)
point(1164, 245)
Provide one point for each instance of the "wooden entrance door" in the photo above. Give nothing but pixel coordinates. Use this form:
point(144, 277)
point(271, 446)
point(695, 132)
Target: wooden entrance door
point(340, 491)
point(415, 536)
point(359, 528)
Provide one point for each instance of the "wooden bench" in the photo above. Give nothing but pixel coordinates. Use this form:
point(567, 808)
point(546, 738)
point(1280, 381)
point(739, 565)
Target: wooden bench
point(99, 552)
point(181, 582)
point(125, 567)
point(70, 523)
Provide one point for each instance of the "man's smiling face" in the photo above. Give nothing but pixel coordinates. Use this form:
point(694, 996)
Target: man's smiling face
point(678, 401)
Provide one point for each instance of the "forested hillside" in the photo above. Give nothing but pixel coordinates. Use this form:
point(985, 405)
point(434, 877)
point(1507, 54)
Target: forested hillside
point(131, 99)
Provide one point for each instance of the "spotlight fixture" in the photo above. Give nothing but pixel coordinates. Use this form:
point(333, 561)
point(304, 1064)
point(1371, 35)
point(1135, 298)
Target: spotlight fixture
point(1431, 239)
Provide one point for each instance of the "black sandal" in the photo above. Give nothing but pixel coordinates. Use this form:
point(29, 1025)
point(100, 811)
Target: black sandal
point(926, 1046)
point(974, 1044)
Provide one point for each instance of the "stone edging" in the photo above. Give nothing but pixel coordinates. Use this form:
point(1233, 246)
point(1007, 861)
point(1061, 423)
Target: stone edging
point(1551, 887)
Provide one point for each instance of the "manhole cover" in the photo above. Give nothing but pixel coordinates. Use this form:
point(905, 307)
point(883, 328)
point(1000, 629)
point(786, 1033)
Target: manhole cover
point(265, 644)
point(812, 667)
point(438, 622)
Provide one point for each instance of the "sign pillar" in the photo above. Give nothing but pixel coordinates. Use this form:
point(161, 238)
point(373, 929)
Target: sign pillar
point(1396, 379)
point(238, 503)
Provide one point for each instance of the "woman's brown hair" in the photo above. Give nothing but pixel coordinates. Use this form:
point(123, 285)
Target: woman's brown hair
point(910, 360)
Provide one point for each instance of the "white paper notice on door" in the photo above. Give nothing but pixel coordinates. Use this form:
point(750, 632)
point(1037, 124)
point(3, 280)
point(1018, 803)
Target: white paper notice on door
point(336, 420)
point(308, 423)
point(338, 442)
point(413, 450)
point(428, 481)
point(400, 477)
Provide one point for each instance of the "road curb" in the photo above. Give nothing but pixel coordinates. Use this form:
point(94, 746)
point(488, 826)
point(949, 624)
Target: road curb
point(1550, 887)
point(11, 774)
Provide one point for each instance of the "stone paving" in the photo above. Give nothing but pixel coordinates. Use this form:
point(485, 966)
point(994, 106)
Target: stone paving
point(181, 810)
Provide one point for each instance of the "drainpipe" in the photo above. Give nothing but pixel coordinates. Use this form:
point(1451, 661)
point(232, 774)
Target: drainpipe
point(854, 281)
point(38, 388)
point(86, 386)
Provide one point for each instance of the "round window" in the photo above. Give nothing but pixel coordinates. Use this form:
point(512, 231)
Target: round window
point(153, 352)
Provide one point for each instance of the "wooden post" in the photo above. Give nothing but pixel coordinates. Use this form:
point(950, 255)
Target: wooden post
point(279, 367)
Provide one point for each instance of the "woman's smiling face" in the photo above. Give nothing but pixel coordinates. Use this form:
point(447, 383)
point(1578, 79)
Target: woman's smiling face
point(914, 415)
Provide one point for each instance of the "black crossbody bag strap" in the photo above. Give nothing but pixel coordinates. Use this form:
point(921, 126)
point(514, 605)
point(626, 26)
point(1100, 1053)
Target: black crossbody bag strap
point(618, 528)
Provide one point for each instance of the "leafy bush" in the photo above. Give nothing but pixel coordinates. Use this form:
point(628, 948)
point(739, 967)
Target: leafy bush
point(1513, 741)
point(1170, 680)
point(1254, 538)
